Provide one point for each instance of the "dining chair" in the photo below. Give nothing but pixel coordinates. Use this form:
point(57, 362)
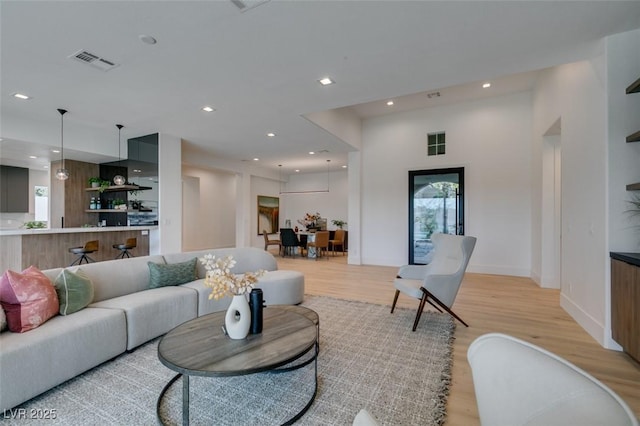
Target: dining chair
point(438, 282)
point(338, 240)
point(270, 242)
point(321, 243)
point(289, 241)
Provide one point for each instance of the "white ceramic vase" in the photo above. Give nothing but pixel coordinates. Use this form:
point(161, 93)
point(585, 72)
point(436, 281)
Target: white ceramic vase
point(238, 318)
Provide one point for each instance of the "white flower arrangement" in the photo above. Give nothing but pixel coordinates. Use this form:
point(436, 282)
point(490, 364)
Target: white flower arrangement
point(222, 281)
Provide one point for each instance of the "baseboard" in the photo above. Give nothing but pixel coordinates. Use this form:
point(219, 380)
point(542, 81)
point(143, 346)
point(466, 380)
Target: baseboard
point(499, 270)
point(584, 320)
point(536, 278)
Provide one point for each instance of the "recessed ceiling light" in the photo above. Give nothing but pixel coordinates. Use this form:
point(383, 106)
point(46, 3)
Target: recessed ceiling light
point(33, 157)
point(389, 103)
point(256, 159)
point(486, 85)
point(21, 96)
point(326, 81)
point(297, 170)
point(311, 153)
point(147, 39)
point(344, 167)
point(46, 167)
point(55, 151)
point(271, 134)
point(208, 109)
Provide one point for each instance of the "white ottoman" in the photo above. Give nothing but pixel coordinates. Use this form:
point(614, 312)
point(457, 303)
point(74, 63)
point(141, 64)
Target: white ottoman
point(282, 287)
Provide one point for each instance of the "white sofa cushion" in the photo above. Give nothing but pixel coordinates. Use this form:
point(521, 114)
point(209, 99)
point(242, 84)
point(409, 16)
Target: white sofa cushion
point(151, 313)
point(58, 350)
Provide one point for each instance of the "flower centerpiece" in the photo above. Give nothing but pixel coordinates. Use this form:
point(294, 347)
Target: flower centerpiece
point(223, 283)
point(309, 220)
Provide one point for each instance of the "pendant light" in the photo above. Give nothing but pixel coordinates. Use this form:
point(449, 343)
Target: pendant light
point(62, 173)
point(119, 180)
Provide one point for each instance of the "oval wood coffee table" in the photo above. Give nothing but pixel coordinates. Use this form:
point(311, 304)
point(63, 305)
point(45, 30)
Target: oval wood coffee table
point(200, 348)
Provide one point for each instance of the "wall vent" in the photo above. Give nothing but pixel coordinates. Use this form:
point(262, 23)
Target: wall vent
point(245, 5)
point(93, 60)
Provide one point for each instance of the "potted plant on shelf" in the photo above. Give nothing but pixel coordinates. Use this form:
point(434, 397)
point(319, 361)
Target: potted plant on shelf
point(94, 182)
point(104, 184)
point(339, 223)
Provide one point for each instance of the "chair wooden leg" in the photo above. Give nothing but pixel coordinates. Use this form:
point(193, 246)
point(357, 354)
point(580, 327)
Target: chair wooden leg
point(425, 293)
point(420, 309)
point(395, 299)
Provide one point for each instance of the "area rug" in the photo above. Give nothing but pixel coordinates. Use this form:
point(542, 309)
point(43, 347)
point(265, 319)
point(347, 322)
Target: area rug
point(368, 358)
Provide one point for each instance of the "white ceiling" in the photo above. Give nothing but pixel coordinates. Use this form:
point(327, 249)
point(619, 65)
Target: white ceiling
point(259, 68)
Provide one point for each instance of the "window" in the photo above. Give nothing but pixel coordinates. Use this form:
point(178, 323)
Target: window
point(436, 144)
point(41, 203)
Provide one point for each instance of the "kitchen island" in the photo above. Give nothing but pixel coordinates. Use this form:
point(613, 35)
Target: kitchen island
point(49, 248)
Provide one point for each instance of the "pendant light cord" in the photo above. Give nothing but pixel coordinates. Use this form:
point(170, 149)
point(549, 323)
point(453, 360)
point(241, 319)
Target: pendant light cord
point(62, 113)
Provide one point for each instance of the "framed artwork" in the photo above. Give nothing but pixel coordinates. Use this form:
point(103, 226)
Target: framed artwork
point(268, 214)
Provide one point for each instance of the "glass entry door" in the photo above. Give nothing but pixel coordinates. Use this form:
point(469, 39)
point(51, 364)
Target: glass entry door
point(436, 204)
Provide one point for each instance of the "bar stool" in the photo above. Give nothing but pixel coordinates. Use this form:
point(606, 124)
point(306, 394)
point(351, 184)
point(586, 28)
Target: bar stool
point(89, 247)
point(124, 248)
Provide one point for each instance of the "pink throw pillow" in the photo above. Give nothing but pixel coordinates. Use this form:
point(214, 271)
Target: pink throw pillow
point(28, 298)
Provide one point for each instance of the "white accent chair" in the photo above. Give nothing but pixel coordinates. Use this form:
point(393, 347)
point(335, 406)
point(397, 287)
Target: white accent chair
point(438, 282)
point(518, 383)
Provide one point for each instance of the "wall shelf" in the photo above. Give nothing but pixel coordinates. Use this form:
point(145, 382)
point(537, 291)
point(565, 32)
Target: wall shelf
point(105, 211)
point(634, 87)
point(120, 188)
point(633, 187)
point(635, 137)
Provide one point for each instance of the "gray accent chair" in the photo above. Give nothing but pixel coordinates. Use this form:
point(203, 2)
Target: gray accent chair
point(438, 282)
point(518, 383)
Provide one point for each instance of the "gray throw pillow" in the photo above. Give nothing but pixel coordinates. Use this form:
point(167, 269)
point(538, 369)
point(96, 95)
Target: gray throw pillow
point(162, 275)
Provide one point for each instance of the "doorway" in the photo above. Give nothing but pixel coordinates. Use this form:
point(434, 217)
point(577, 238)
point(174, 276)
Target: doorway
point(436, 205)
point(551, 217)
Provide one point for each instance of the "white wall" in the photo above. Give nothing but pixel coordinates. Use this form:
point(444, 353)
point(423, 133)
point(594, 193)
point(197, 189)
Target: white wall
point(576, 93)
point(332, 205)
point(209, 213)
point(168, 239)
point(491, 139)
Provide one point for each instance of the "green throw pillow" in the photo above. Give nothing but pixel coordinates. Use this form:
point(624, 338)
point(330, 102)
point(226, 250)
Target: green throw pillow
point(74, 289)
point(162, 275)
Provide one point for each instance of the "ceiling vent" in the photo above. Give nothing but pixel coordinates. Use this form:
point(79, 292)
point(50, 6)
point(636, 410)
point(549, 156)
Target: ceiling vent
point(433, 95)
point(245, 5)
point(93, 60)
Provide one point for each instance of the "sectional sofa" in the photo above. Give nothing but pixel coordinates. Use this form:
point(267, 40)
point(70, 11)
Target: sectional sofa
point(124, 313)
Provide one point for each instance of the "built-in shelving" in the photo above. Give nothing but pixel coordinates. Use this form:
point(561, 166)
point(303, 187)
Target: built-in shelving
point(120, 188)
point(633, 187)
point(634, 137)
point(106, 211)
point(634, 87)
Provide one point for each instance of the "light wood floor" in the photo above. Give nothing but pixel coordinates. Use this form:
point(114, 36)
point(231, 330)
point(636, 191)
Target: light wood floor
point(488, 303)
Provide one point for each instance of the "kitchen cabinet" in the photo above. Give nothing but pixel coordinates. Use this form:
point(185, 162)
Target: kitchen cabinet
point(14, 189)
point(625, 302)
